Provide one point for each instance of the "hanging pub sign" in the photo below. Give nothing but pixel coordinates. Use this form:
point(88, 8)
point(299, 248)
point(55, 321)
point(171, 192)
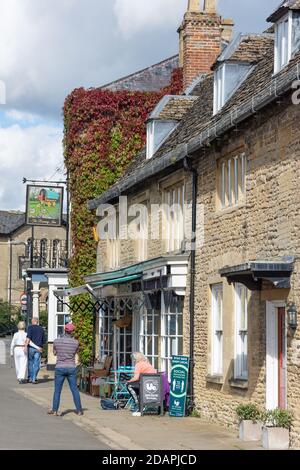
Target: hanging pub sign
point(179, 383)
point(44, 205)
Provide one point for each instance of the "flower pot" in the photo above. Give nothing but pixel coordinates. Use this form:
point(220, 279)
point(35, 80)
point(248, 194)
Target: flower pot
point(275, 438)
point(250, 430)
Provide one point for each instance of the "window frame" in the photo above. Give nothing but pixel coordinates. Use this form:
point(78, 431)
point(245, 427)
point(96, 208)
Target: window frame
point(167, 339)
point(231, 181)
point(241, 344)
point(217, 332)
point(219, 87)
point(173, 195)
point(279, 63)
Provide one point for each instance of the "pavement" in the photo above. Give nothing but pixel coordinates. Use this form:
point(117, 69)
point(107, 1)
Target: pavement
point(25, 406)
point(24, 425)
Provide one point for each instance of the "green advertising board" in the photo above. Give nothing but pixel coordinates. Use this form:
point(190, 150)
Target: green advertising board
point(179, 384)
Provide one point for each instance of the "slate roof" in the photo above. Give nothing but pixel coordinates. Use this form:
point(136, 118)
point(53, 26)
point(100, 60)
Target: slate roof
point(200, 120)
point(10, 222)
point(152, 78)
point(283, 9)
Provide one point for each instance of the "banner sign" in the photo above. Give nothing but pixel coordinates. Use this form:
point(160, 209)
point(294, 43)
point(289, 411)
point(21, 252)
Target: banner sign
point(44, 205)
point(179, 384)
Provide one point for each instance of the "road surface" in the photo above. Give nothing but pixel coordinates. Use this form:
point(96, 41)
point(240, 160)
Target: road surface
point(24, 425)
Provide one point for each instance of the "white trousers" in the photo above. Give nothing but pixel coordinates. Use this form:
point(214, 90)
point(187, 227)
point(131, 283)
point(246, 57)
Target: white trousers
point(20, 363)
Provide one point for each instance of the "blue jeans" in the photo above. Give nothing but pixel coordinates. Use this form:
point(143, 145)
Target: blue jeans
point(34, 363)
point(71, 375)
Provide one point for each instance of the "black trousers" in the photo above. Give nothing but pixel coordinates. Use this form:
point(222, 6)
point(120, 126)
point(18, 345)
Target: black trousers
point(134, 390)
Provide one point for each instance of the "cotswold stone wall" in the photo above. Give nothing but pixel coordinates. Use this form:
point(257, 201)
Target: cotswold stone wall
point(151, 194)
point(263, 227)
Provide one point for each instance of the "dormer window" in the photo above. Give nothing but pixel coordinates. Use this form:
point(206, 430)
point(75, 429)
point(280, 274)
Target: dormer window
point(283, 41)
point(228, 77)
point(157, 132)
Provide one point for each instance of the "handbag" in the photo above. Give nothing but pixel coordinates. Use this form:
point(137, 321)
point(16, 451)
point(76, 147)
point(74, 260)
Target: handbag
point(109, 404)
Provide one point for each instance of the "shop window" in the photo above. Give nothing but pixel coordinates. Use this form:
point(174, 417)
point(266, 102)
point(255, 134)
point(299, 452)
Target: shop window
point(150, 328)
point(171, 330)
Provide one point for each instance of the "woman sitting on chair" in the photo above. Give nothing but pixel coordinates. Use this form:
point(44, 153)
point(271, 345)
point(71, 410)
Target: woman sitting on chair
point(142, 366)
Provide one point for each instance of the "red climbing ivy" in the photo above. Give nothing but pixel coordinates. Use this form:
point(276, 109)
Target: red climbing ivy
point(104, 131)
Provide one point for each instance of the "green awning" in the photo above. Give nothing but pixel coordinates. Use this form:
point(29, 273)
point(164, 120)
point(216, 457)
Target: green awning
point(135, 269)
point(119, 280)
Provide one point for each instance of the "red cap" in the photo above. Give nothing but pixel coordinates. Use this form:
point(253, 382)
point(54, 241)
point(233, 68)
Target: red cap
point(69, 328)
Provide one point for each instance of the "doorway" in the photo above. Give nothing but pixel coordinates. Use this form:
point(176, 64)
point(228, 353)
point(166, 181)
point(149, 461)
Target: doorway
point(276, 387)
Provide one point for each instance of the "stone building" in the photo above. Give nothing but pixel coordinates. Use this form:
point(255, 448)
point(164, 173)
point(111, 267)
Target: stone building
point(49, 251)
point(217, 277)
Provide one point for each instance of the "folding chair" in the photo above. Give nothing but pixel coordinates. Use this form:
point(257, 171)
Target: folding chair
point(120, 393)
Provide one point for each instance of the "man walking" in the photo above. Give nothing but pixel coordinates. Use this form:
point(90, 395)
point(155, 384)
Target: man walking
point(65, 349)
point(34, 344)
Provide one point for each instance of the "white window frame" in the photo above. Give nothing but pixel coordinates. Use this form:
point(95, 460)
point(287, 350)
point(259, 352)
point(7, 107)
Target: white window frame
point(173, 222)
point(219, 87)
point(217, 332)
point(241, 335)
point(150, 139)
point(283, 42)
point(62, 310)
point(152, 338)
point(170, 342)
point(114, 247)
point(142, 241)
point(232, 181)
point(106, 332)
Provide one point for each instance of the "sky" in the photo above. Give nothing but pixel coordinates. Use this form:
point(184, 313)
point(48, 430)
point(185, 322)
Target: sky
point(50, 47)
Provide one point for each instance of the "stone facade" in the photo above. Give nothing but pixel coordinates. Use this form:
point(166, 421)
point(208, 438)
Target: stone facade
point(19, 239)
point(265, 226)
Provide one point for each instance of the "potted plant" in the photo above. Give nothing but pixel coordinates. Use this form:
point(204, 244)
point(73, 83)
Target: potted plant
point(276, 429)
point(250, 427)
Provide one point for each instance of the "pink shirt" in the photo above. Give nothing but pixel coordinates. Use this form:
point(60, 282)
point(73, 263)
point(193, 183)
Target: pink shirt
point(143, 367)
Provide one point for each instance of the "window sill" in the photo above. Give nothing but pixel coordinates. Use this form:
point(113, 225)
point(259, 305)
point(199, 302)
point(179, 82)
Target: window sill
point(228, 210)
point(239, 383)
point(215, 379)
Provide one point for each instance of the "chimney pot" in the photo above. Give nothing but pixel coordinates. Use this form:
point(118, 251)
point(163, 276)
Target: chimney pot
point(210, 6)
point(194, 5)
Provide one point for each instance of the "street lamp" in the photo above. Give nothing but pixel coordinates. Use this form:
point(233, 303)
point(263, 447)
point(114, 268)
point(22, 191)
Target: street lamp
point(292, 316)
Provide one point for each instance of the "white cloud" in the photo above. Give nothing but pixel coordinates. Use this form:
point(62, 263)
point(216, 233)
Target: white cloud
point(50, 47)
point(135, 16)
point(33, 152)
point(22, 116)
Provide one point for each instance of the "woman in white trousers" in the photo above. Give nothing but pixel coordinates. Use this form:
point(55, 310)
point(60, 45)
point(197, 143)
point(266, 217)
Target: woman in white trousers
point(18, 352)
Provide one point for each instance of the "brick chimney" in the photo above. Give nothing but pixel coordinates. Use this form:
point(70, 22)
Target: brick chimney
point(200, 37)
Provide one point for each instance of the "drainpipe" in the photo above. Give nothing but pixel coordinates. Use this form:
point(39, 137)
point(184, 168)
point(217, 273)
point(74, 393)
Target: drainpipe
point(10, 274)
point(188, 166)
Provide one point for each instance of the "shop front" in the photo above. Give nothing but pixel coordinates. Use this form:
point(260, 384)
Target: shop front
point(141, 309)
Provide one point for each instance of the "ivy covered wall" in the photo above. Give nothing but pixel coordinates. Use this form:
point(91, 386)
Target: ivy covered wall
point(103, 132)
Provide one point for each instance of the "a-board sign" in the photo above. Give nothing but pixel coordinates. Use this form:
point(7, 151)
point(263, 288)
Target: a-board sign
point(179, 383)
point(151, 391)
